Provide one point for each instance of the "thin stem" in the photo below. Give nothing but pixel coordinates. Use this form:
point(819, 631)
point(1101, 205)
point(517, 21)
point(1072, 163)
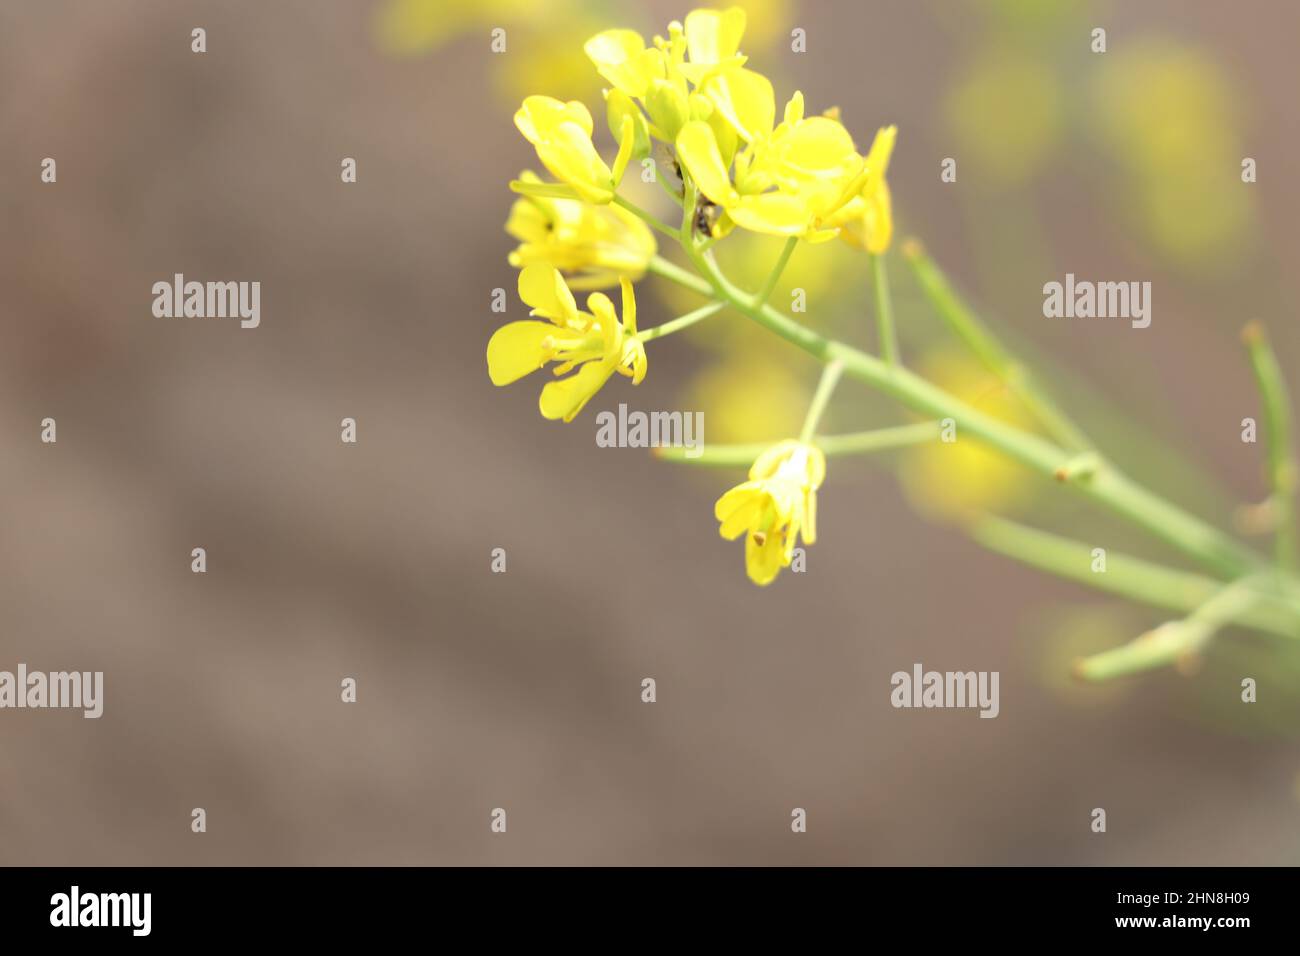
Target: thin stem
point(853, 443)
point(681, 322)
point(661, 267)
point(884, 310)
point(709, 242)
point(668, 191)
point(775, 277)
point(1277, 437)
point(821, 398)
point(645, 216)
point(1173, 641)
point(1166, 521)
point(966, 325)
point(877, 439)
point(1126, 576)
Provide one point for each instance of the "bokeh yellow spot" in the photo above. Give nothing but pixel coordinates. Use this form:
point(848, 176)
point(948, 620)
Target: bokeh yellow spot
point(949, 480)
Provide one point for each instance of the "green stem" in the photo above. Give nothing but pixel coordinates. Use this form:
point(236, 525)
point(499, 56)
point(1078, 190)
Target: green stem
point(668, 191)
point(681, 322)
point(1173, 641)
point(825, 388)
point(884, 310)
point(640, 213)
point(775, 277)
point(853, 443)
point(1129, 577)
point(1282, 470)
point(1167, 522)
point(963, 323)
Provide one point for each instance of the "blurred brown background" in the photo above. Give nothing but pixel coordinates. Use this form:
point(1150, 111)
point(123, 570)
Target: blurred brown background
point(522, 690)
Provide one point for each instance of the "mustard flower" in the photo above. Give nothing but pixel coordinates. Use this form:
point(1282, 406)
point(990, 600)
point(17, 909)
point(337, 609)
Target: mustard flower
point(561, 134)
point(868, 220)
point(703, 55)
point(592, 245)
point(791, 183)
point(777, 505)
point(593, 342)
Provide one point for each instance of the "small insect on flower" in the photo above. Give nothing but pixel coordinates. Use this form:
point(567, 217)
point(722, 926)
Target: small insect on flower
point(593, 342)
point(775, 507)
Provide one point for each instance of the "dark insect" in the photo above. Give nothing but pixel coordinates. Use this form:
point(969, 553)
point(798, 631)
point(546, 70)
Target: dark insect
point(706, 214)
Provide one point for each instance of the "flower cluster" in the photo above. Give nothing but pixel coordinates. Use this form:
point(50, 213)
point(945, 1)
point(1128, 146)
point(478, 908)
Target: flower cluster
point(694, 90)
point(690, 99)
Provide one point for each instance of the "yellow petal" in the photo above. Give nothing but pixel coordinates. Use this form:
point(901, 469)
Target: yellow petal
point(878, 221)
point(816, 466)
point(543, 288)
point(634, 358)
point(540, 115)
point(528, 220)
point(697, 150)
point(629, 305)
point(882, 147)
point(618, 106)
point(543, 190)
point(714, 35)
point(739, 508)
point(726, 136)
point(571, 157)
point(794, 108)
point(809, 529)
point(746, 100)
point(777, 214)
point(517, 349)
point(565, 397)
point(764, 559)
point(766, 464)
point(620, 56)
point(599, 305)
point(626, 143)
point(818, 147)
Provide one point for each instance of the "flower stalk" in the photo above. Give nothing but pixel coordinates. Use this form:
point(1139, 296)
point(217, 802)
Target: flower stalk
point(1282, 469)
point(887, 335)
point(832, 446)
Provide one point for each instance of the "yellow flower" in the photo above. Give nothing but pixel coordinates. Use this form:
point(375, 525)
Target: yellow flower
point(791, 183)
point(593, 245)
point(776, 506)
point(693, 90)
point(705, 55)
point(868, 219)
point(561, 133)
point(593, 342)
